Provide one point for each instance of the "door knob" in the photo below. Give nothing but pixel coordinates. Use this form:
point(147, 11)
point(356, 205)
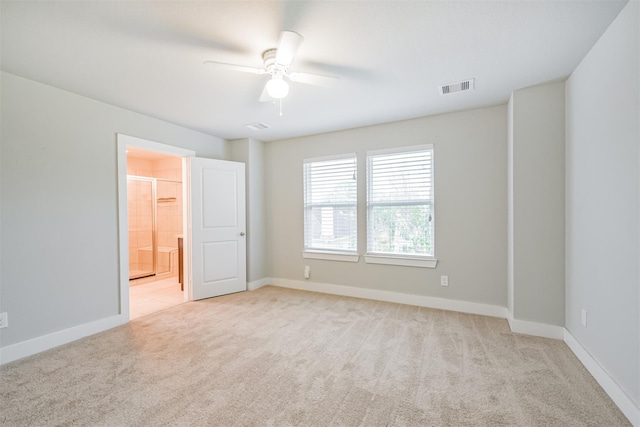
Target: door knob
point(242, 233)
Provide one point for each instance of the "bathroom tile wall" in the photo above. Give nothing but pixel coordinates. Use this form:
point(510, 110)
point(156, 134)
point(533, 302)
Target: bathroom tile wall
point(169, 213)
point(139, 167)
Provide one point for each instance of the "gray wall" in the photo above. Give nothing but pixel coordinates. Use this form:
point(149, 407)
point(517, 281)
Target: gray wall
point(251, 152)
point(470, 151)
point(510, 201)
point(536, 204)
point(603, 201)
point(59, 204)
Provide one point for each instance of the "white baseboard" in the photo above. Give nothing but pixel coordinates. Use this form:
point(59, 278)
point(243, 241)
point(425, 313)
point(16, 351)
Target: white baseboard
point(397, 297)
point(534, 328)
point(610, 386)
point(55, 339)
point(256, 284)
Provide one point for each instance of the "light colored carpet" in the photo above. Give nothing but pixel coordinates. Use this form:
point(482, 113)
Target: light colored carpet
point(279, 357)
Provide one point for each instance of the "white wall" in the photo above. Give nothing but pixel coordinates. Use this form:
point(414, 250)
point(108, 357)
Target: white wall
point(470, 201)
point(603, 201)
point(536, 204)
point(59, 204)
point(251, 152)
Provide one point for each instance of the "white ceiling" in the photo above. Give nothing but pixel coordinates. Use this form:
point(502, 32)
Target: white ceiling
point(390, 56)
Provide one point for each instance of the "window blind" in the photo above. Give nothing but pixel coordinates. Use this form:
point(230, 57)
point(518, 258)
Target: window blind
point(400, 202)
point(330, 204)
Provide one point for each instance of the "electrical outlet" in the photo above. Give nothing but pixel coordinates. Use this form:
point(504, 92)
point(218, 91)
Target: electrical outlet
point(4, 320)
point(583, 320)
point(307, 271)
point(444, 280)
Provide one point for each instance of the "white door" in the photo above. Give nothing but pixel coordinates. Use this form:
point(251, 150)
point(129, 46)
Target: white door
point(218, 241)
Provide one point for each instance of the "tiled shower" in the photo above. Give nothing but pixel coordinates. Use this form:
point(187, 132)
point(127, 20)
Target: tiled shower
point(154, 191)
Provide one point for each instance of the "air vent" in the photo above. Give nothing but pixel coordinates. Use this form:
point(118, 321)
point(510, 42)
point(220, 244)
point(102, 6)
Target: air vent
point(258, 126)
point(456, 87)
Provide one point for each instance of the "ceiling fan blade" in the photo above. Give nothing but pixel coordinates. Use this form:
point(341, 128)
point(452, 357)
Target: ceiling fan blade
point(313, 79)
point(288, 45)
point(234, 67)
point(264, 96)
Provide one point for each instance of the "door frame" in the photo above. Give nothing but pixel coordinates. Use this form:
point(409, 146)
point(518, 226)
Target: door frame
point(124, 141)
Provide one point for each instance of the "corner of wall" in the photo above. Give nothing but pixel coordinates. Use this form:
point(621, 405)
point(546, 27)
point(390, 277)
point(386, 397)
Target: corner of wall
point(534, 328)
point(536, 206)
point(257, 284)
point(510, 229)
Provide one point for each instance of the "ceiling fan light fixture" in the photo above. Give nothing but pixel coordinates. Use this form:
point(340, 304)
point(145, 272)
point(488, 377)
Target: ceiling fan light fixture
point(277, 88)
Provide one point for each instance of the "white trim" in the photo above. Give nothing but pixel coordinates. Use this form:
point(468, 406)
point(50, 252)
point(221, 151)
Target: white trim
point(610, 386)
point(159, 147)
point(55, 339)
point(534, 328)
point(396, 297)
point(187, 271)
point(409, 262)
point(257, 284)
point(123, 225)
point(331, 256)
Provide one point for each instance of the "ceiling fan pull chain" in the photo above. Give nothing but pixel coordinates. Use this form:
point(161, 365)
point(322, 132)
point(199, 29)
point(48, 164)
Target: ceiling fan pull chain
point(280, 107)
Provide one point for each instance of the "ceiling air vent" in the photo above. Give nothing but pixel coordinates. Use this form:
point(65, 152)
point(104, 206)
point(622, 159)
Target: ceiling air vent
point(258, 126)
point(456, 87)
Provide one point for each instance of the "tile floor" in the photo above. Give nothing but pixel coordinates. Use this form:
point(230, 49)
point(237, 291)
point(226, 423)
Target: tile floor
point(150, 297)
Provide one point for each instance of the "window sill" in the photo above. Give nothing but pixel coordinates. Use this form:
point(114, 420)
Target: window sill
point(407, 262)
point(331, 256)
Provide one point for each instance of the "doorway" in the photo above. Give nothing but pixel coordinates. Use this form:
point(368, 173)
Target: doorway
point(155, 287)
point(155, 212)
point(213, 223)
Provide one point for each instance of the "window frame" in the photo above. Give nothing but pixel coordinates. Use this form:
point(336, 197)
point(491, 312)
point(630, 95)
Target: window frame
point(411, 260)
point(311, 252)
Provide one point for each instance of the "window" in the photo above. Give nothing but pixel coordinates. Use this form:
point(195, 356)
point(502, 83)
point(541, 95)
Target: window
point(400, 204)
point(330, 205)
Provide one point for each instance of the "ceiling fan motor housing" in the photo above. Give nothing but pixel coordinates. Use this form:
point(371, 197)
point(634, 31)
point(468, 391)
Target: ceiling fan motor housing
point(270, 64)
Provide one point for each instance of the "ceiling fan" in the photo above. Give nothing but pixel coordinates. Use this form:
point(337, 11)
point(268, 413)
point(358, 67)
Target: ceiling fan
point(276, 64)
